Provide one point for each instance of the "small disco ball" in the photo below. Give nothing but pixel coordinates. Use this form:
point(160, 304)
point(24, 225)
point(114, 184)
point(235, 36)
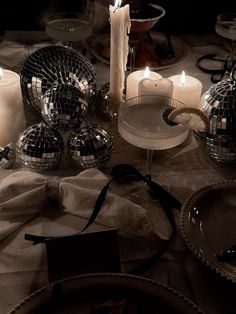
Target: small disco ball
point(219, 104)
point(104, 102)
point(64, 107)
point(39, 147)
point(90, 146)
point(7, 157)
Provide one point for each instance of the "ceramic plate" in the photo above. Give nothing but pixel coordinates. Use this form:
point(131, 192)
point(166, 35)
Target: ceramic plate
point(208, 222)
point(86, 294)
point(101, 43)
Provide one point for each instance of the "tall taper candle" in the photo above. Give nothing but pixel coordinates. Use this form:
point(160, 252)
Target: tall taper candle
point(119, 49)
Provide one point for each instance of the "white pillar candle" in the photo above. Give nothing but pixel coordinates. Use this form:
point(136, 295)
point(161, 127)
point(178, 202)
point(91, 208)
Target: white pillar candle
point(12, 118)
point(119, 49)
point(187, 89)
point(162, 86)
point(134, 78)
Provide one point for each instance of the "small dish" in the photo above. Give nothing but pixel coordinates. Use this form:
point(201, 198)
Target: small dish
point(208, 220)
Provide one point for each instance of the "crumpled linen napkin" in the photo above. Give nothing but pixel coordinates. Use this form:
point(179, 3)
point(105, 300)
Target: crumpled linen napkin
point(14, 54)
point(23, 194)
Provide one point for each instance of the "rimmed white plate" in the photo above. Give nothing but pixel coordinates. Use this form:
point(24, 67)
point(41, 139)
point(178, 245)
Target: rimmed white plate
point(80, 294)
point(208, 222)
point(180, 47)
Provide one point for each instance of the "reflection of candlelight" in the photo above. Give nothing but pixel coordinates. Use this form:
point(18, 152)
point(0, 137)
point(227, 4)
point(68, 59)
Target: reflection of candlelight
point(187, 89)
point(12, 118)
point(119, 49)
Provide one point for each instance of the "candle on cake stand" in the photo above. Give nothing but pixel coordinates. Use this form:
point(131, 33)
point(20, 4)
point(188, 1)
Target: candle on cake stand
point(187, 89)
point(119, 49)
point(134, 78)
point(12, 118)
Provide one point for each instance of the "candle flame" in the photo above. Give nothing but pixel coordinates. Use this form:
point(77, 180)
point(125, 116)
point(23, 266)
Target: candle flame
point(183, 79)
point(147, 73)
point(117, 4)
point(1, 73)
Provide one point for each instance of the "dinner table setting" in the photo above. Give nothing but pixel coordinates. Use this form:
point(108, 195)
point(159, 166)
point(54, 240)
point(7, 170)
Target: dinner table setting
point(117, 166)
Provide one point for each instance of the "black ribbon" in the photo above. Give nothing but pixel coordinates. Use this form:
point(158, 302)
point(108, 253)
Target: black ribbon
point(216, 74)
point(128, 173)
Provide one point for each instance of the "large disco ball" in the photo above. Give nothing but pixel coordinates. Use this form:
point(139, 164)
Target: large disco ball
point(219, 104)
point(39, 147)
point(54, 65)
point(90, 146)
point(64, 107)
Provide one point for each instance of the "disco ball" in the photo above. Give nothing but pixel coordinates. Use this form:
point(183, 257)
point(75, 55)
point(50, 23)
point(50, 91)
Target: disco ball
point(64, 107)
point(104, 101)
point(39, 147)
point(90, 146)
point(219, 104)
point(56, 65)
point(7, 157)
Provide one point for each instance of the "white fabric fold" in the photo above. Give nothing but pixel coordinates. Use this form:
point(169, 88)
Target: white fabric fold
point(23, 194)
point(13, 54)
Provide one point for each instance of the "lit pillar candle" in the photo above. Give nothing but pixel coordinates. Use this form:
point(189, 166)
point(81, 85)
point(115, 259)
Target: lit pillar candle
point(12, 118)
point(161, 86)
point(187, 89)
point(119, 49)
point(134, 78)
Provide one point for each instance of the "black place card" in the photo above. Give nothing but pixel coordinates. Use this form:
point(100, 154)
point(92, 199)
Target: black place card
point(83, 253)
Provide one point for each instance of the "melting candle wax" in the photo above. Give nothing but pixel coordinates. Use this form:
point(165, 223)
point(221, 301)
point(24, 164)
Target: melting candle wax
point(119, 42)
point(161, 86)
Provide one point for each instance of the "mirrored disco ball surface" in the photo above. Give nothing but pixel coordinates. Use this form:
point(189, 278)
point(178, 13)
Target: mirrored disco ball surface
point(40, 147)
point(7, 157)
point(64, 107)
point(54, 65)
point(104, 100)
point(219, 104)
point(90, 146)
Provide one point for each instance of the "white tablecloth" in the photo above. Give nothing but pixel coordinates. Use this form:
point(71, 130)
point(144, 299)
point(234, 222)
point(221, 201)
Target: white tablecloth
point(23, 267)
